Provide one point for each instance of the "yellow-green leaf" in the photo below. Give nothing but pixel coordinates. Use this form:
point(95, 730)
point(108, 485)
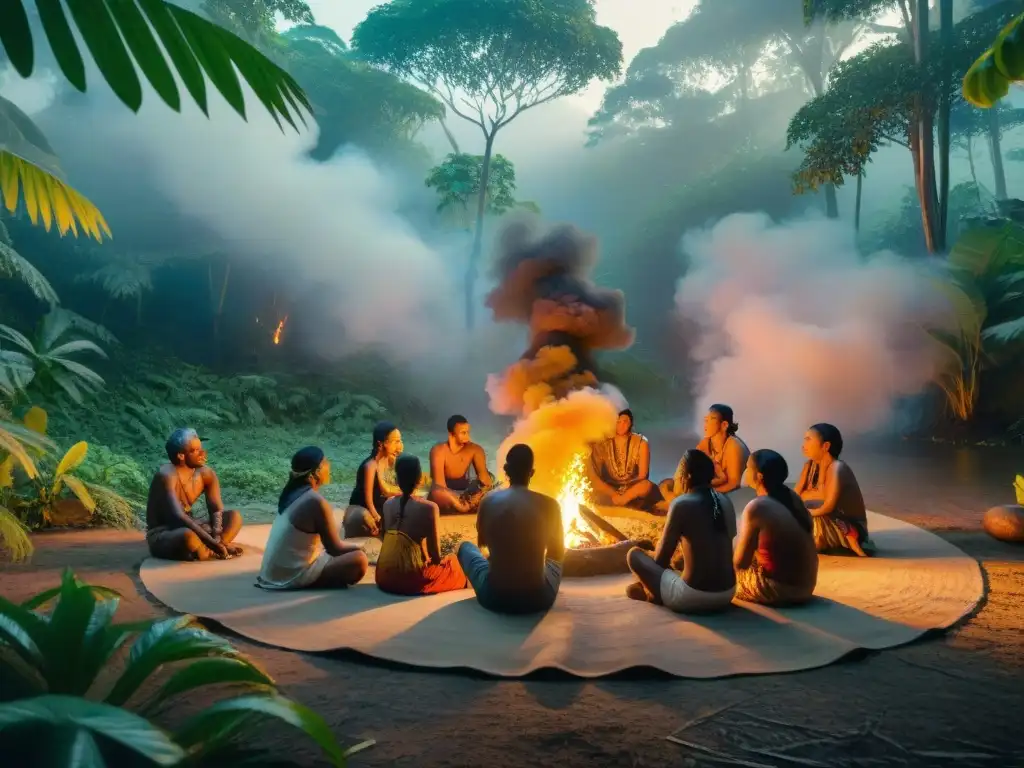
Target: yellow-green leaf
point(1018, 486)
point(36, 420)
point(72, 459)
point(81, 492)
point(14, 536)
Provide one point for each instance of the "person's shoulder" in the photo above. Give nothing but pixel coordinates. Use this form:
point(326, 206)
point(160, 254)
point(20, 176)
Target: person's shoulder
point(476, 448)
point(758, 506)
point(643, 438)
point(207, 473)
point(426, 506)
point(438, 447)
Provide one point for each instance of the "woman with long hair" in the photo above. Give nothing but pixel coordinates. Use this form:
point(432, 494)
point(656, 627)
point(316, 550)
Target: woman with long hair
point(832, 494)
point(410, 561)
point(362, 517)
point(704, 522)
point(305, 549)
point(775, 560)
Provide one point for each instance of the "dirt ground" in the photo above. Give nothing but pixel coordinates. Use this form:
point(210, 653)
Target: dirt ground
point(932, 703)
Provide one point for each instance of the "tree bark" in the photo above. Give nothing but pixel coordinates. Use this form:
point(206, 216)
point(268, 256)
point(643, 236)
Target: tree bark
point(923, 137)
point(946, 36)
point(478, 235)
point(974, 170)
point(995, 148)
point(856, 204)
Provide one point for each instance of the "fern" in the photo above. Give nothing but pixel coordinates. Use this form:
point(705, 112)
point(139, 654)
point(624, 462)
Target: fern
point(13, 265)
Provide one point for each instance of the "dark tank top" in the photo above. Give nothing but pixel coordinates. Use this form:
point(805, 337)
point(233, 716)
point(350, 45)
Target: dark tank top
point(358, 496)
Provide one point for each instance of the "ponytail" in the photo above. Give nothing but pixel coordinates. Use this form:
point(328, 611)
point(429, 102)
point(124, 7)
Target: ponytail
point(408, 472)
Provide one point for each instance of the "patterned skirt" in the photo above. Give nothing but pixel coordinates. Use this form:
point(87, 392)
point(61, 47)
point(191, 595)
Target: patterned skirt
point(754, 585)
point(833, 533)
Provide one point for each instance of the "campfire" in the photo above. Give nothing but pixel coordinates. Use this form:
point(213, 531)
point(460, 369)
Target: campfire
point(583, 527)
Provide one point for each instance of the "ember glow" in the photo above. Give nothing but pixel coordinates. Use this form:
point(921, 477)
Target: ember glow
point(279, 330)
point(575, 491)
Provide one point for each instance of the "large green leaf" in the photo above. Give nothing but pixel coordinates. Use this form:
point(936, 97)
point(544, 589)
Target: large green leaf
point(123, 34)
point(227, 671)
point(168, 641)
point(198, 730)
point(63, 719)
point(989, 79)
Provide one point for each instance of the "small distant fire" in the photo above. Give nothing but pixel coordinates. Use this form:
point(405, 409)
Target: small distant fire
point(575, 491)
point(279, 330)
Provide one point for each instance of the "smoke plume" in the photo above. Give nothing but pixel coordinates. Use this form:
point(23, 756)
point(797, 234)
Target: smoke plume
point(796, 327)
point(333, 225)
point(543, 281)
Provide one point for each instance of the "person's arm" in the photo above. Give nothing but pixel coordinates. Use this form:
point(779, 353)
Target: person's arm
point(801, 484)
point(670, 536)
point(830, 502)
point(644, 460)
point(733, 462)
point(437, 468)
point(327, 528)
point(434, 537)
point(480, 467)
point(214, 503)
point(677, 480)
point(746, 543)
point(183, 519)
point(556, 533)
point(369, 481)
point(596, 481)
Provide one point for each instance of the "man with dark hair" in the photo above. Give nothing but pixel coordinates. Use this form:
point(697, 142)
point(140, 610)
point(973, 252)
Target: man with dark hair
point(452, 489)
point(620, 467)
point(172, 532)
point(522, 530)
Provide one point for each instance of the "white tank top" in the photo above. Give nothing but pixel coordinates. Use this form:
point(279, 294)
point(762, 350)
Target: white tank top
point(290, 555)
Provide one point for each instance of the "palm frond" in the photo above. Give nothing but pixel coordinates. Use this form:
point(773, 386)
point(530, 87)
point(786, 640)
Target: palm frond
point(1005, 333)
point(30, 172)
point(14, 537)
point(151, 32)
point(16, 266)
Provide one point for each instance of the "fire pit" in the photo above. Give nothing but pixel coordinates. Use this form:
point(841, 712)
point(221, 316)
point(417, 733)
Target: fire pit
point(594, 547)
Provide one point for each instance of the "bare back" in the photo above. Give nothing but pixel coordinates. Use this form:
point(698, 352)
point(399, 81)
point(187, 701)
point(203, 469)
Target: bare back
point(787, 546)
point(418, 521)
point(707, 551)
point(522, 529)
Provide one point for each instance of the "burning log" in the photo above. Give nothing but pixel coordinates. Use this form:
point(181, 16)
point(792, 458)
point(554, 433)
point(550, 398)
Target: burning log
point(601, 561)
point(602, 526)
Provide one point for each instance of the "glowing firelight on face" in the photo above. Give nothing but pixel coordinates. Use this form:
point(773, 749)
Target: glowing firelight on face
point(279, 330)
point(575, 491)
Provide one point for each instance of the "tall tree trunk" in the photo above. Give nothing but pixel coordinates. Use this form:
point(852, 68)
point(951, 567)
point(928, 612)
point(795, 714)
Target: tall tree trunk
point(220, 304)
point(812, 70)
point(857, 201)
point(478, 235)
point(946, 36)
point(974, 170)
point(995, 148)
point(923, 143)
point(451, 137)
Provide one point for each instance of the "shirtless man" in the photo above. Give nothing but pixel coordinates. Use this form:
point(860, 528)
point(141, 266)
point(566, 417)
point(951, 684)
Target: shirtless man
point(450, 461)
point(776, 563)
point(172, 533)
point(619, 468)
point(831, 493)
point(704, 522)
point(523, 531)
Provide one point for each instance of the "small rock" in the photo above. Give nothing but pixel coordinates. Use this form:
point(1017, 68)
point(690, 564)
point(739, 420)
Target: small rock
point(1005, 523)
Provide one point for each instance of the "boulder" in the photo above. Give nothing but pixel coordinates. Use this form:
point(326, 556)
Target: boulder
point(1005, 523)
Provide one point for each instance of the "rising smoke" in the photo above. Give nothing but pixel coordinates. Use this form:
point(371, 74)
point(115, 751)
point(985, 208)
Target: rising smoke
point(543, 281)
point(333, 225)
point(796, 327)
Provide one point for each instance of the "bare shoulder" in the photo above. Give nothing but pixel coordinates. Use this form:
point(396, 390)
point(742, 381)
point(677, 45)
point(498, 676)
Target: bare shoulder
point(843, 471)
point(437, 448)
point(756, 508)
point(208, 475)
point(426, 506)
point(477, 448)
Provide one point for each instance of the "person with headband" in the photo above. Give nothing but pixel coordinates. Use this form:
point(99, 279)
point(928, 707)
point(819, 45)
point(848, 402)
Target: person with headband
point(832, 495)
point(172, 532)
point(410, 561)
point(704, 522)
point(305, 549)
point(620, 466)
point(775, 560)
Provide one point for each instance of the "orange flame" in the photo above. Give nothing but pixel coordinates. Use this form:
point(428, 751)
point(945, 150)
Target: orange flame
point(280, 328)
point(575, 490)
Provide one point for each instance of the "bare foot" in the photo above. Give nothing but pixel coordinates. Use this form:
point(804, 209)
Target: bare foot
point(855, 546)
point(637, 591)
point(234, 550)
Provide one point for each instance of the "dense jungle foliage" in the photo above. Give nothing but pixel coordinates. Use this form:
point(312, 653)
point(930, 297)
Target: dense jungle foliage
point(96, 368)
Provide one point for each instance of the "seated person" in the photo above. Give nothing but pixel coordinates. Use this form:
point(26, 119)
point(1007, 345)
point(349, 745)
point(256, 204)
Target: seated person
point(704, 522)
point(451, 487)
point(523, 531)
point(362, 517)
point(728, 452)
point(172, 533)
point(305, 550)
point(832, 494)
point(775, 560)
point(619, 468)
point(410, 560)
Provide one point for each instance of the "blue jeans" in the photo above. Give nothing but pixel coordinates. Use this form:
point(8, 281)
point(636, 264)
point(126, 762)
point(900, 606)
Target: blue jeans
point(478, 570)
